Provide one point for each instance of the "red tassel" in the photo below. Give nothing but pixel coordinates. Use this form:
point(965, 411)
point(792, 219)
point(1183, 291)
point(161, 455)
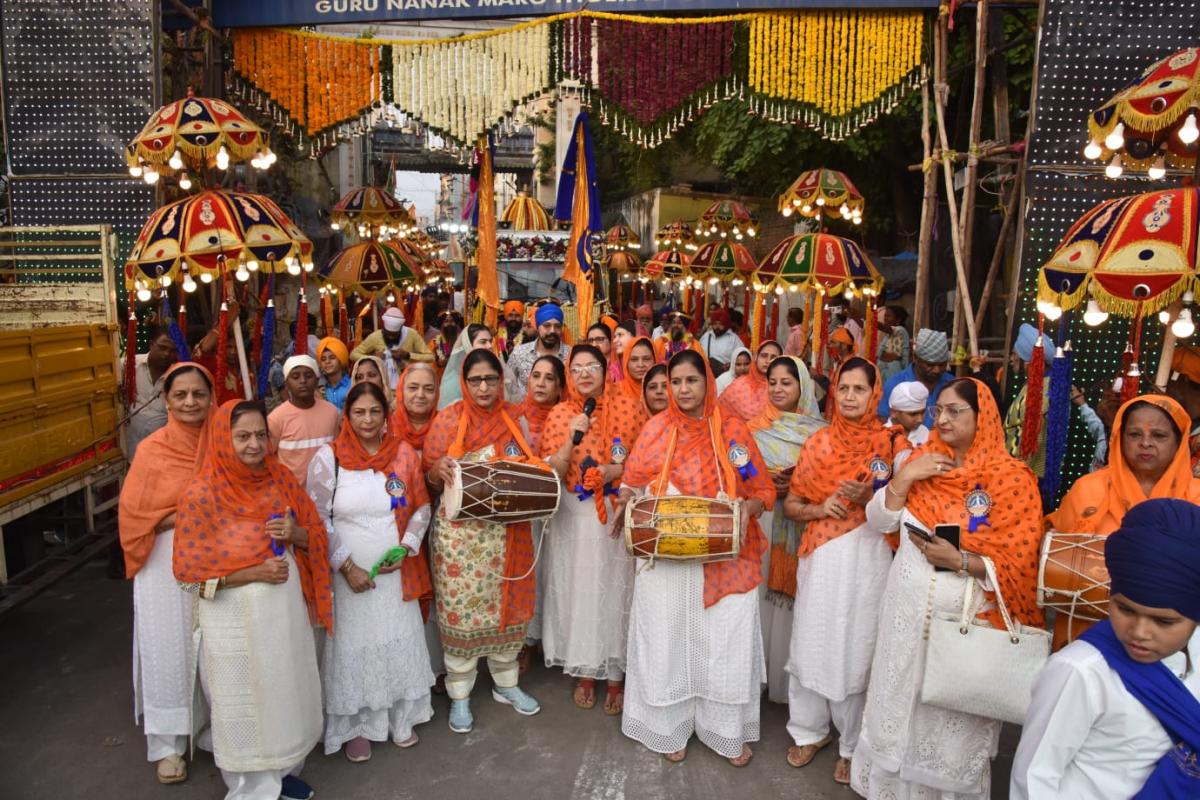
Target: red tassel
point(1031, 428)
point(301, 343)
point(131, 332)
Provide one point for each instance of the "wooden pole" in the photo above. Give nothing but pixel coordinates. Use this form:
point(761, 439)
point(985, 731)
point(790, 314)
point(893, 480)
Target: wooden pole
point(928, 212)
point(1010, 212)
point(971, 172)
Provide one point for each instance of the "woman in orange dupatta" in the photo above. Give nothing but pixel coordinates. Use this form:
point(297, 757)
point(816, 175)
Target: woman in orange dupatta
point(687, 618)
point(369, 487)
point(963, 476)
point(589, 577)
point(635, 363)
point(252, 543)
point(482, 571)
point(841, 566)
point(1148, 458)
point(746, 397)
point(416, 404)
point(163, 657)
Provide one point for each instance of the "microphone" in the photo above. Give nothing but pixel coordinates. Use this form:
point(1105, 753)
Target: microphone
point(589, 406)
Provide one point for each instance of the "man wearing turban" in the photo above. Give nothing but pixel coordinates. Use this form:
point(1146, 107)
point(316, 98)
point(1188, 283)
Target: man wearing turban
point(395, 343)
point(1116, 713)
point(549, 321)
point(720, 343)
point(509, 336)
point(931, 357)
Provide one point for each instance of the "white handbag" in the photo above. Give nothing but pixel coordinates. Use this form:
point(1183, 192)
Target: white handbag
point(974, 668)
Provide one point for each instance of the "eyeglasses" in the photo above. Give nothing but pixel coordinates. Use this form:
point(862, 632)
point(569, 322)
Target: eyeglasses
point(596, 341)
point(475, 381)
point(583, 369)
point(952, 412)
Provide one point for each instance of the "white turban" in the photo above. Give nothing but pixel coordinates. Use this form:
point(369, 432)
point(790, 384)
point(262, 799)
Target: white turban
point(393, 320)
point(909, 396)
point(300, 361)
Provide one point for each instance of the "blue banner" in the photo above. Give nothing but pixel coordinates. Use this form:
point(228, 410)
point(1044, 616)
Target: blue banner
point(288, 13)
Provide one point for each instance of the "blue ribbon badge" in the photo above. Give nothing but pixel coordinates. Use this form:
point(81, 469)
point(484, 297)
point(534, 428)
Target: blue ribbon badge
point(978, 503)
point(739, 456)
point(512, 449)
point(396, 490)
point(881, 471)
point(618, 451)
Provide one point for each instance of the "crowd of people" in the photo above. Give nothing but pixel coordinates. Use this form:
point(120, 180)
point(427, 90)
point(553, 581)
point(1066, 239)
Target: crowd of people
point(298, 578)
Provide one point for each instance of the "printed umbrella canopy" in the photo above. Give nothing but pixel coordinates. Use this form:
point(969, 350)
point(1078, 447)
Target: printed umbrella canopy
point(623, 237)
point(670, 264)
point(624, 262)
point(370, 267)
point(828, 263)
point(1151, 123)
point(1135, 255)
point(675, 235)
point(727, 219)
point(213, 232)
point(372, 212)
point(826, 189)
point(722, 260)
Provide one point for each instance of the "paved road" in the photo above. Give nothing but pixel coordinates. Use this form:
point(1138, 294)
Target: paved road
point(67, 731)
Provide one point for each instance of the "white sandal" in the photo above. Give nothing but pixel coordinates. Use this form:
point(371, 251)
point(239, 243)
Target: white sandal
point(172, 769)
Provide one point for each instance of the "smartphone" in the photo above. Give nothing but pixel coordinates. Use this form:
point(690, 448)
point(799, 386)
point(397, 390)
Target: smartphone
point(913, 529)
point(950, 533)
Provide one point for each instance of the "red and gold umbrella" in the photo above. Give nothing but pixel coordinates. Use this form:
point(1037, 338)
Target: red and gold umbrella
point(210, 233)
point(370, 267)
point(1136, 255)
point(523, 213)
point(675, 235)
point(821, 261)
point(624, 262)
point(727, 219)
point(1151, 123)
point(825, 189)
point(622, 237)
point(192, 133)
point(723, 260)
point(373, 213)
point(670, 264)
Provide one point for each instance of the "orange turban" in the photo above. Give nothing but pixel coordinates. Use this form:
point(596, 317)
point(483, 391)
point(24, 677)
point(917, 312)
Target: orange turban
point(339, 349)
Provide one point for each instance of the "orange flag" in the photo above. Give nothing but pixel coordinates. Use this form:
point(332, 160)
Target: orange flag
point(485, 253)
point(579, 196)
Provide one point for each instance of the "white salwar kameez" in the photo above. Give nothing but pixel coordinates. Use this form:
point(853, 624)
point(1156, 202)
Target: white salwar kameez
point(164, 658)
point(258, 655)
point(775, 616)
point(839, 587)
point(691, 668)
point(376, 671)
point(908, 750)
point(1086, 736)
point(588, 590)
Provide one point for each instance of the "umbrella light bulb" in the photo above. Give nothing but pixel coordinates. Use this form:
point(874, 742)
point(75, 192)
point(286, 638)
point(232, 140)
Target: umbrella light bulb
point(293, 268)
point(1158, 170)
point(1053, 313)
point(1164, 317)
point(820, 201)
point(1114, 168)
point(222, 158)
point(189, 285)
point(1094, 315)
point(135, 170)
point(1116, 139)
point(271, 157)
point(796, 201)
point(143, 294)
point(1092, 151)
point(308, 266)
point(150, 176)
point(725, 235)
point(335, 226)
point(185, 182)
point(165, 281)
point(242, 273)
point(1189, 133)
point(857, 220)
point(807, 209)
point(206, 278)
point(713, 281)
point(1183, 327)
point(176, 161)
point(786, 211)
point(750, 232)
point(252, 265)
point(844, 210)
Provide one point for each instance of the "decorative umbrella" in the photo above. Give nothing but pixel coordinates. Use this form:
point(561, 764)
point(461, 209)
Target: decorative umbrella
point(192, 133)
point(727, 218)
point(826, 189)
point(439, 270)
point(371, 267)
point(722, 260)
point(675, 235)
point(207, 234)
point(523, 213)
point(670, 264)
point(1151, 122)
point(623, 237)
point(828, 263)
point(623, 262)
point(373, 212)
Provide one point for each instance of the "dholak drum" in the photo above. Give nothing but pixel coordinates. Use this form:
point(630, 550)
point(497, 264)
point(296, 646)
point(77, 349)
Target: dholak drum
point(500, 491)
point(682, 528)
point(1072, 578)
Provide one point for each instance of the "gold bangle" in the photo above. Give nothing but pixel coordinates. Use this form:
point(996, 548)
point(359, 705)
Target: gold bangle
point(894, 493)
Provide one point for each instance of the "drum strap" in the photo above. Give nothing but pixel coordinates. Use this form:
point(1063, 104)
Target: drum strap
point(725, 480)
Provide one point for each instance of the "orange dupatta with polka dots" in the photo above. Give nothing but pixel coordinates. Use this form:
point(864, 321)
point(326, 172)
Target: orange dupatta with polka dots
point(221, 519)
point(691, 455)
point(846, 450)
point(1014, 533)
point(746, 396)
point(628, 385)
point(464, 427)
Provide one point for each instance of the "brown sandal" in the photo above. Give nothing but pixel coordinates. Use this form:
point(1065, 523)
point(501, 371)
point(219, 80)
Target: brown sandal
point(801, 755)
point(841, 771)
point(614, 699)
point(744, 758)
point(585, 693)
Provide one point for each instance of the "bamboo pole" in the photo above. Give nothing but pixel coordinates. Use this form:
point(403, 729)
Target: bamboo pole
point(1010, 211)
point(971, 172)
point(928, 212)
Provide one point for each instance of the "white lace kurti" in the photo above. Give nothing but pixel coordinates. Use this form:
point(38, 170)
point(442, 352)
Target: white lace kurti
point(909, 750)
point(691, 668)
point(839, 587)
point(776, 619)
point(588, 589)
point(376, 670)
point(164, 662)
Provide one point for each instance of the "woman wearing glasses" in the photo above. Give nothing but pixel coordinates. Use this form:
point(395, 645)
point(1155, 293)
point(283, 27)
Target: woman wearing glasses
point(963, 477)
point(482, 571)
point(589, 578)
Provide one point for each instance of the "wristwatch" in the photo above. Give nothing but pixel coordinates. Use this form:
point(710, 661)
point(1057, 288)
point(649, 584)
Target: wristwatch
point(966, 565)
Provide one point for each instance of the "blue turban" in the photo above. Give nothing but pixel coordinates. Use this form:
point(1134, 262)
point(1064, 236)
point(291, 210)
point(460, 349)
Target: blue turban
point(1154, 557)
point(546, 313)
point(1027, 337)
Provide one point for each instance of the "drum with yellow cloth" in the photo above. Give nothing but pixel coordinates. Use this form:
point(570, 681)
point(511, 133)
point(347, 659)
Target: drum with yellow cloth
point(1073, 580)
point(503, 492)
point(682, 528)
